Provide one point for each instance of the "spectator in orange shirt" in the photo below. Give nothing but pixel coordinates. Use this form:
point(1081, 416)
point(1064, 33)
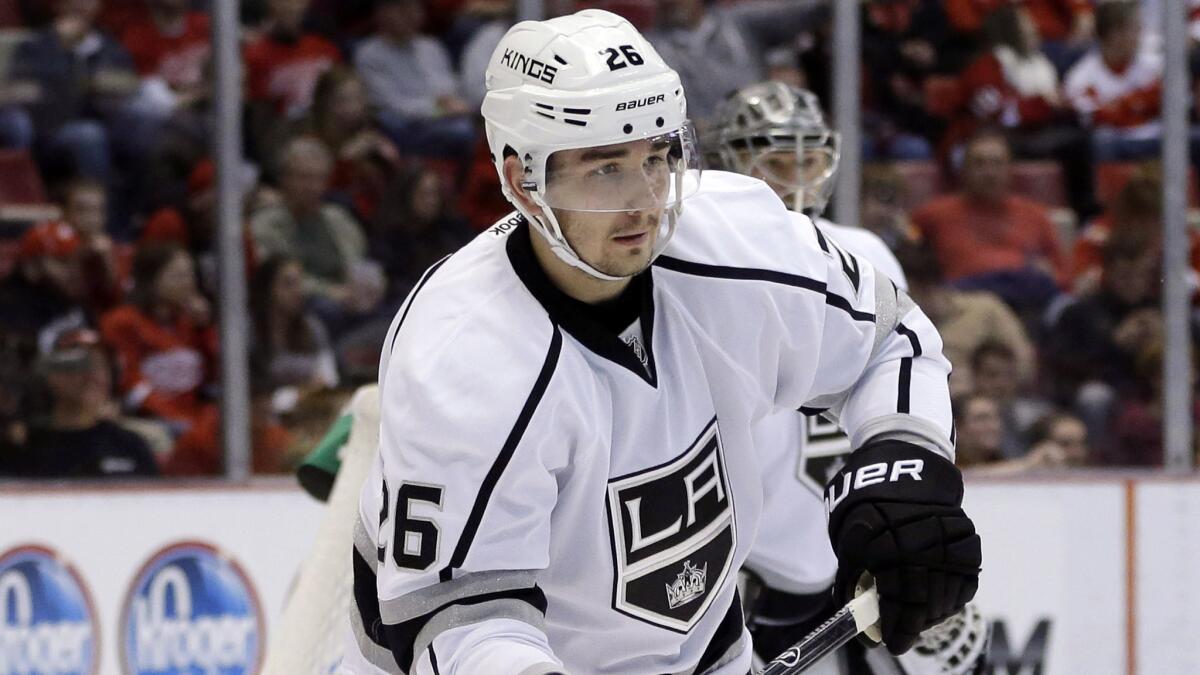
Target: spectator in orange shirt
point(164, 339)
point(987, 238)
point(283, 65)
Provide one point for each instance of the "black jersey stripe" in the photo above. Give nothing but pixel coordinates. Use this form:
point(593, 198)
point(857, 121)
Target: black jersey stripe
point(433, 660)
point(903, 402)
point(506, 453)
point(912, 339)
point(905, 386)
point(728, 632)
point(771, 276)
point(412, 297)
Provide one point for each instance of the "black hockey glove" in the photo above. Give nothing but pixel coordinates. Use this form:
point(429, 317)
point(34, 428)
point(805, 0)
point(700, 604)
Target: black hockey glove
point(894, 511)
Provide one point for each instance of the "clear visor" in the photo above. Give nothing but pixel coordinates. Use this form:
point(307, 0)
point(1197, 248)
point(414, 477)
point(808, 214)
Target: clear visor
point(651, 173)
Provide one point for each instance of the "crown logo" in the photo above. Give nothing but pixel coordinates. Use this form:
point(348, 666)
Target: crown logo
point(688, 586)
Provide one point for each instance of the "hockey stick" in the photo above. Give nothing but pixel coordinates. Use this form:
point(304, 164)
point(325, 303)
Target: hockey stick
point(859, 615)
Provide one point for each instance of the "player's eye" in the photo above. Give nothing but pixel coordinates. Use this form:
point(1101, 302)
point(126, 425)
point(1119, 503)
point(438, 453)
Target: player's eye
point(606, 170)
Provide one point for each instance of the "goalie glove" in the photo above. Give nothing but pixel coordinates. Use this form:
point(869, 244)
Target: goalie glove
point(894, 511)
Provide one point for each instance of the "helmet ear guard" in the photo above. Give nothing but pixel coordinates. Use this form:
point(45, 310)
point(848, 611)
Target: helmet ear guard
point(606, 86)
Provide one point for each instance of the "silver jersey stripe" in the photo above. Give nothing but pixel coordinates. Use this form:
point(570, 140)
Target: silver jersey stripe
point(429, 599)
point(380, 657)
point(888, 305)
point(456, 616)
point(908, 428)
point(363, 543)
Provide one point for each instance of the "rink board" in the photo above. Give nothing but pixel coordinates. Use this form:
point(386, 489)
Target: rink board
point(1091, 574)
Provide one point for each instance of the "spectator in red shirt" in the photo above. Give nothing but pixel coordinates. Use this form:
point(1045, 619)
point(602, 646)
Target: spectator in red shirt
point(164, 339)
point(45, 296)
point(1117, 88)
point(987, 238)
point(283, 65)
point(1066, 26)
point(1014, 87)
point(171, 48)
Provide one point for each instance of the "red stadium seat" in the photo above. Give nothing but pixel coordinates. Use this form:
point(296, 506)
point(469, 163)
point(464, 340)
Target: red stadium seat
point(1041, 181)
point(1111, 177)
point(20, 182)
point(10, 14)
point(641, 13)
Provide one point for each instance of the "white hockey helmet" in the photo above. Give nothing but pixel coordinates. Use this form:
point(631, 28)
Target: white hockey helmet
point(779, 132)
point(588, 80)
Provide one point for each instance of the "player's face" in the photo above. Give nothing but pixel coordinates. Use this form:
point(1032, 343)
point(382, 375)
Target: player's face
point(176, 283)
point(619, 193)
point(85, 210)
point(995, 376)
point(1071, 436)
point(981, 427)
point(788, 172)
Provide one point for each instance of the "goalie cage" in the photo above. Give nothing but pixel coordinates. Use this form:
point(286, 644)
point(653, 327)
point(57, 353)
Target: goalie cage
point(312, 634)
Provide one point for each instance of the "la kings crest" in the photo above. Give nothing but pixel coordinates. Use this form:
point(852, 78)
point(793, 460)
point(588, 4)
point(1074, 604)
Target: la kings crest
point(673, 535)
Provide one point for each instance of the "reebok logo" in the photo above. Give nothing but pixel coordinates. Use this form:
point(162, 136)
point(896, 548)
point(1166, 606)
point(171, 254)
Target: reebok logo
point(871, 474)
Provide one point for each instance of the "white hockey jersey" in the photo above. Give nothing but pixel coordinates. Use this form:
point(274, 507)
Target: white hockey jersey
point(548, 498)
point(800, 452)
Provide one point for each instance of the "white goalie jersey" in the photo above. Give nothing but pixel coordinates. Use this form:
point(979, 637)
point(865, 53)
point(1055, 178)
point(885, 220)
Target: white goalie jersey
point(551, 496)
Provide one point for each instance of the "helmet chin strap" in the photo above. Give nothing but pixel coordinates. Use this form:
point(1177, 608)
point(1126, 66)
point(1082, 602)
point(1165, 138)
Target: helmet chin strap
point(547, 226)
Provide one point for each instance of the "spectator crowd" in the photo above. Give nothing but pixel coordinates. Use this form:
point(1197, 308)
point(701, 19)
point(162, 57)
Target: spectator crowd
point(1011, 150)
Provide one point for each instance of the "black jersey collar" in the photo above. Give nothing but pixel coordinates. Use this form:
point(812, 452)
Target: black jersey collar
point(581, 320)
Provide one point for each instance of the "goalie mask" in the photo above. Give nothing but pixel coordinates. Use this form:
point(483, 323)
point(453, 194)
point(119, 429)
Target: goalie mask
point(778, 133)
point(598, 122)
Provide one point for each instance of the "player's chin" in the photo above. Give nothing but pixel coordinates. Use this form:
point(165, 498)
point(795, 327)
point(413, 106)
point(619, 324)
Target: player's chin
point(628, 262)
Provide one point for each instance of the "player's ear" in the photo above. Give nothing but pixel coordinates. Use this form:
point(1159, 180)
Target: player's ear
point(514, 175)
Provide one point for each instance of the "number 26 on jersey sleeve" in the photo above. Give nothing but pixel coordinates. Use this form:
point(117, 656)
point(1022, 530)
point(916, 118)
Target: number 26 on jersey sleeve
point(414, 540)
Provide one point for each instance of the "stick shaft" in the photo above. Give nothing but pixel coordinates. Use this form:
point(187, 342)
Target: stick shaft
point(841, 628)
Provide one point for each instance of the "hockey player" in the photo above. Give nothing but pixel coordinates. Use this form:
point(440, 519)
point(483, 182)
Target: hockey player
point(777, 132)
point(567, 481)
